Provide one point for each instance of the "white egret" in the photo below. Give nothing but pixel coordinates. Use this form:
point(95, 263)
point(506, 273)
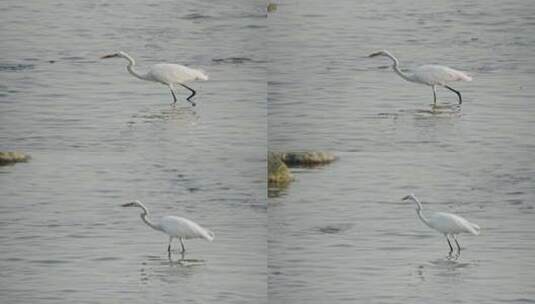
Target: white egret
point(445, 223)
point(431, 75)
point(165, 73)
point(174, 226)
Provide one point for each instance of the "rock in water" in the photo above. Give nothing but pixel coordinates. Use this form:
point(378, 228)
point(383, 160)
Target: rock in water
point(7, 158)
point(271, 7)
point(278, 172)
point(306, 158)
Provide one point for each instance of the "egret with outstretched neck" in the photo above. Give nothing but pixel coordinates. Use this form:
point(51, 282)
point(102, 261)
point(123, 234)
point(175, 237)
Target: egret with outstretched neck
point(431, 75)
point(165, 73)
point(174, 226)
point(446, 223)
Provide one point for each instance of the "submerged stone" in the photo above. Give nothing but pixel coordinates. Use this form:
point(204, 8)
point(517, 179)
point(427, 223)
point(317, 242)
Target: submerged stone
point(306, 158)
point(7, 158)
point(271, 7)
point(278, 172)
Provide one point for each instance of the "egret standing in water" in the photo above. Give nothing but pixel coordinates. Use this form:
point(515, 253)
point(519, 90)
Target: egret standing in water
point(165, 73)
point(174, 226)
point(446, 223)
point(431, 75)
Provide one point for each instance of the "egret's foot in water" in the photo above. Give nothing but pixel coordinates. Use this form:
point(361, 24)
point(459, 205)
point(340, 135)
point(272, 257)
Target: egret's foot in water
point(192, 93)
point(451, 248)
point(183, 248)
point(179, 261)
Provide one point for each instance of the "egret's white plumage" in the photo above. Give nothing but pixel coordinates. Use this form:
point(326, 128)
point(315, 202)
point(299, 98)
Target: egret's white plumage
point(165, 73)
point(446, 223)
point(431, 74)
point(168, 73)
point(450, 223)
point(183, 228)
point(174, 226)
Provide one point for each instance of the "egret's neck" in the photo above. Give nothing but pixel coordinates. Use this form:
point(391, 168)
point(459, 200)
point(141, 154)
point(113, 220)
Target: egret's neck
point(422, 217)
point(418, 203)
point(419, 209)
point(395, 66)
point(145, 217)
point(130, 68)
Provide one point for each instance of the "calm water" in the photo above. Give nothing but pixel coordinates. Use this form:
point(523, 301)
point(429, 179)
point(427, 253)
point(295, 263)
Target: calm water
point(100, 138)
point(340, 234)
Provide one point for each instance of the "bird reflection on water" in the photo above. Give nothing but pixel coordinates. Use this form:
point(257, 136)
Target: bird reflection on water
point(169, 269)
point(443, 267)
point(185, 116)
point(444, 110)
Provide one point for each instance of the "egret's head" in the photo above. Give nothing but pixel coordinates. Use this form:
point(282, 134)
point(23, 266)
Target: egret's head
point(380, 53)
point(410, 196)
point(413, 197)
point(135, 203)
point(118, 54)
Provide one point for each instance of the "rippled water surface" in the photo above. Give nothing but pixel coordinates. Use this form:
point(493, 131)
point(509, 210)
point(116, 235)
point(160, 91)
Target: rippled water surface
point(99, 138)
point(341, 234)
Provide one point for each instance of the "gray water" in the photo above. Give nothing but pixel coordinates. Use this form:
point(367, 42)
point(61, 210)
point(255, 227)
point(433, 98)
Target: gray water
point(98, 138)
point(340, 233)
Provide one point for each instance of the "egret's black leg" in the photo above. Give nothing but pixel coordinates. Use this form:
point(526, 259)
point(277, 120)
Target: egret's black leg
point(458, 246)
point(451, 248)
point(456, 92)
point(174, 97)
point(192, 93)
point(169, 247)
point(182, 244)
point(434, 95)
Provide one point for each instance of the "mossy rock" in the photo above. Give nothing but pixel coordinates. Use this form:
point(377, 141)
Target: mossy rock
point(278, 172)
point(7, 158)
point(271, 7)
point(306, 158)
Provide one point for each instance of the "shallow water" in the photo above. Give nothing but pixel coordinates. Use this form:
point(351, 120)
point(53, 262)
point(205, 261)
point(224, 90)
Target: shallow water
point(340, 233)
point(99, 138)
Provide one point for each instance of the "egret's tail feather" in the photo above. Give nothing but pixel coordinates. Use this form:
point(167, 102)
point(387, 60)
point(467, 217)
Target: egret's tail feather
point(465, 77)
point(476, 229)
point(201, 75)
point(209, 235)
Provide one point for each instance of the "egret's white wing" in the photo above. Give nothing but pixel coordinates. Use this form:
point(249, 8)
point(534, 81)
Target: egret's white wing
point(167, 73)
point(451, 223)
point(184, 228)
point(438, 74)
